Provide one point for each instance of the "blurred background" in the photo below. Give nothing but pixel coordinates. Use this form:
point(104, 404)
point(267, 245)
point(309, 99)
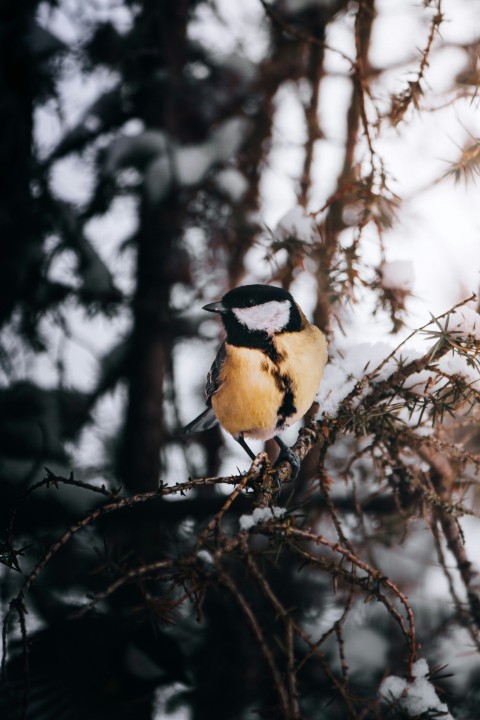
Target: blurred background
point(153, 155)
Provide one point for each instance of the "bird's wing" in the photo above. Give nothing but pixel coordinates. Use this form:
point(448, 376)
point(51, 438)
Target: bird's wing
point(204, 421)
point(213, 377)
point(207, 419)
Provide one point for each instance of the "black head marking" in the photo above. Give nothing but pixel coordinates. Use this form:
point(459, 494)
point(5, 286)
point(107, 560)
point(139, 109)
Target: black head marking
point(249, 296)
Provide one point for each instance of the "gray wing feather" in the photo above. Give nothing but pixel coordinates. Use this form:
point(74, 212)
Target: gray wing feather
point(203, 422)
point(213, 377)
point(207, 419)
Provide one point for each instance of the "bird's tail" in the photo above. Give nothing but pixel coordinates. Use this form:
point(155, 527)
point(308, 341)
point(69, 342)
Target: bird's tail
point(203, 422)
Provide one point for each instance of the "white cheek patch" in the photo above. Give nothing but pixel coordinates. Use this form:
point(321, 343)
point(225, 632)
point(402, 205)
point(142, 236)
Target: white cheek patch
point(270, 317)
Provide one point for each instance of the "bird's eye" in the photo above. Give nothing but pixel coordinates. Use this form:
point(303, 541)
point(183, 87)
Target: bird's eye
point(250, 302)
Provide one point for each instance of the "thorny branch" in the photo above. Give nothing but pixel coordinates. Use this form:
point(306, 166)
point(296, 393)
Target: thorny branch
point(351, 574)
point(249, 614)
point(412, 94)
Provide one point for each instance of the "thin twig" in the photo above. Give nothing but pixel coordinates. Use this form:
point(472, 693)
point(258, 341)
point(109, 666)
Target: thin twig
point(286, 616)
point(373, 573)
point(226, 580)
point(291, 671)
point(253, 474)
point(132, 574)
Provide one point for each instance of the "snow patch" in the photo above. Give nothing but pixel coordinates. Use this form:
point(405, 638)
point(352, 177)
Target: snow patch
point(452, 364)
point(416, 697)
point(296, 223)
point(397, 275)
point(228, 137)
point(231, 182)
point(193, 162)
point(455, 364)
point(419, 383)
point(260, 515)
point(205, 557)
point(166, 162)
point(135, 151)
point(158, 178)
point(347, 368)
point(465, 322)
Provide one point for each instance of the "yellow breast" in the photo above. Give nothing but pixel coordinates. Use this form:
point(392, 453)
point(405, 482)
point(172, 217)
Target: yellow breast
point(252, 387)
point(305, 356)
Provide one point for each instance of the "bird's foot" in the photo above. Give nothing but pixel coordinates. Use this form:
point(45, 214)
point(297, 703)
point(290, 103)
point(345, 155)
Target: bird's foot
point(286, 455)
point(267, 479)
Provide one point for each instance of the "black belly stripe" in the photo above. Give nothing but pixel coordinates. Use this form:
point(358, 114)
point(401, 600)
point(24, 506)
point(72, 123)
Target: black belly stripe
point(287, 406)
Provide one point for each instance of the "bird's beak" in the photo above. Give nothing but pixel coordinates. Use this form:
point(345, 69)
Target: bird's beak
point(216, 307)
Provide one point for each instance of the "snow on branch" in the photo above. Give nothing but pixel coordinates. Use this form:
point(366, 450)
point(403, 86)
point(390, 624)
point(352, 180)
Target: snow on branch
point(416, 698)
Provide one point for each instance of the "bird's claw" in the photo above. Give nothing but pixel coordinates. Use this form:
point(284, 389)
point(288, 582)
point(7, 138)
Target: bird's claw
point(286, 455)
point(267, 477)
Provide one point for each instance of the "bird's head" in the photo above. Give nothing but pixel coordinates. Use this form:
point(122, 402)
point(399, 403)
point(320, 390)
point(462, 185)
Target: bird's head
point(252, 310)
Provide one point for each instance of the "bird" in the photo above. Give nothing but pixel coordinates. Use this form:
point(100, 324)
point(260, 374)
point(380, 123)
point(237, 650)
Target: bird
point(267, 371)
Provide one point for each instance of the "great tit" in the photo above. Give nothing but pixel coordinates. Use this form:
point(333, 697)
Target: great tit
point(267, 371)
